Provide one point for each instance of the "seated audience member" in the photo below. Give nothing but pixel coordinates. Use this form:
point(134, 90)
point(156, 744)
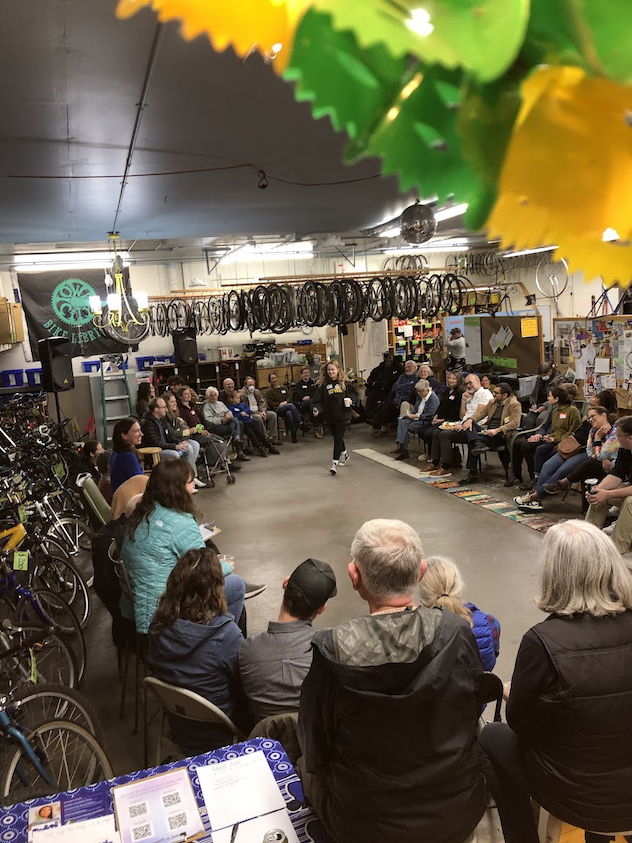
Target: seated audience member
point(144, 395)
point(303, 393)
point(218, 419)
point(389, 709)
point(486, 383)
point(104, 484)
point(441, 587)
point(449, 408)
point(418, 419)
point(274, 664)
point(539, 408)
point(253, 397)
point(124, 459)
point(253, 428)
point(89, 457)
point(566, 742)
point(594, 460)
point(175, 383)
point(427, 374)
point(158, 433)
point(194, 643)
point(456, 346)
point(128, 493)
point(278, 399)
point(611, 491)
point(159, 531)
point(502, 415)
point(214, 446)
point(563, 420)
point(228, 387)
point(440, 460)
point(401, 391)
point(381, 381)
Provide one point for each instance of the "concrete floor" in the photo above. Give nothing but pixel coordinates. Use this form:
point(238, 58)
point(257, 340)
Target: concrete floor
point(286, 508)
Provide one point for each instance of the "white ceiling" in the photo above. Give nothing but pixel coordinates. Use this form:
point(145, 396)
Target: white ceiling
point(71, 76)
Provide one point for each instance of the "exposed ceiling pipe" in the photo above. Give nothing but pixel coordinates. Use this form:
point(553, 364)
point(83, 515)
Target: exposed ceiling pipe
point(139, 116)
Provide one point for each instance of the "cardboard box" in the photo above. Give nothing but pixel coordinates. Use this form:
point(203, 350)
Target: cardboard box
point(11, 327)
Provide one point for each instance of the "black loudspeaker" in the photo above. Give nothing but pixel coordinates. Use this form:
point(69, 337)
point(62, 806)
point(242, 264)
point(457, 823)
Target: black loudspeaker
point(185, 347)
point(57, 373)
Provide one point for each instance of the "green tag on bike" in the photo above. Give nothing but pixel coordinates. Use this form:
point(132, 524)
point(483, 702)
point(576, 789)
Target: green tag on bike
point(22, 514)
point(33, 676)
point(59, 470)
point(21, 560)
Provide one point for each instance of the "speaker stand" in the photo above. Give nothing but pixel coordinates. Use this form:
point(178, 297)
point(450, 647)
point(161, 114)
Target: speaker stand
point(59, 424)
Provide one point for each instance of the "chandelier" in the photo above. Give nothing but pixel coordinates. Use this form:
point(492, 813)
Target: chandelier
point(125, 316)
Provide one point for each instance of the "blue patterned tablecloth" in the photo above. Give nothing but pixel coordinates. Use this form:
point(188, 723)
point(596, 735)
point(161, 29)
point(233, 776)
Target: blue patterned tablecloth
point(14, 820)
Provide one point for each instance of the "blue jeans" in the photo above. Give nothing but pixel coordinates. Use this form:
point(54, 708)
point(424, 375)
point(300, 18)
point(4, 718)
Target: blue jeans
point(191, 454)
point(290, 413)
point(556, 468)
point(543, 452)
point(234, 590)
point(407, 426)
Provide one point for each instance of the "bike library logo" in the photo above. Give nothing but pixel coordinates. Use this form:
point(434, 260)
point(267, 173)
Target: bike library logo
point(70, 302)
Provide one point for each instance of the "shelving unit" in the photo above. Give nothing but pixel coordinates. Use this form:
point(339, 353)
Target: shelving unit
point(290, 373)
point(425, 333)
point(205, 373)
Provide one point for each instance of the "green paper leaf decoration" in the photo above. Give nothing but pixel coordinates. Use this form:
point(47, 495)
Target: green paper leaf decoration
point(610, 23)
point(481, 36)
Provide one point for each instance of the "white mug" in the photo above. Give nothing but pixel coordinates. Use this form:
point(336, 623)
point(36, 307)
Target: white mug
point(348, 402)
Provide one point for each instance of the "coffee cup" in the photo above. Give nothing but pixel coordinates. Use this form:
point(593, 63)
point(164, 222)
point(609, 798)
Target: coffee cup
point(348, 402)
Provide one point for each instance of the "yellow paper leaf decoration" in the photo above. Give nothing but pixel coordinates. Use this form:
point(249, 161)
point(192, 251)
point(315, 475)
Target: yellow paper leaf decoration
point(245, 25)
point(567, 175)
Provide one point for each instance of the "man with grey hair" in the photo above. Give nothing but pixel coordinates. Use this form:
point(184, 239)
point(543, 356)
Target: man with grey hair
point(389, 709)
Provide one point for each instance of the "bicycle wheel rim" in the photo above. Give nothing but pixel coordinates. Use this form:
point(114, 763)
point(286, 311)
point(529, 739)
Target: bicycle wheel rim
point(63, 578)
point(32, 707)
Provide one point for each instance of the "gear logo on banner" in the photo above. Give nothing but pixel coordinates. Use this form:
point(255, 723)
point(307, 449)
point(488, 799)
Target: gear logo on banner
point(71, 301)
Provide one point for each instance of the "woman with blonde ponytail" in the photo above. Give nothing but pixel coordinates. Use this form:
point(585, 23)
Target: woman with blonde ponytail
point(441, 587)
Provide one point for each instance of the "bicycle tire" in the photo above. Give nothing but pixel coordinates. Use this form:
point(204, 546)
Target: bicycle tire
point(40, 704)
point(52, 742)
point(50, 662)
point(74, 533)
point(64, 578)
point(64, 621)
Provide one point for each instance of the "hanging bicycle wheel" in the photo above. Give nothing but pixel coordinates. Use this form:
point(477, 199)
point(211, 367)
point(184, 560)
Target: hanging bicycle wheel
point(67, 754)
point(551, 277)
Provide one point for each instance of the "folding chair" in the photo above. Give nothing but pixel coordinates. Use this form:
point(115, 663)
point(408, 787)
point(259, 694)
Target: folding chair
point(187, 704)
point(99, 510)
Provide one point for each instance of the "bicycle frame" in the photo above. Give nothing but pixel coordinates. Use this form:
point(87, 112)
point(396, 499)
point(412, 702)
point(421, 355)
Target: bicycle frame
point(13, 734)
point(13, 536)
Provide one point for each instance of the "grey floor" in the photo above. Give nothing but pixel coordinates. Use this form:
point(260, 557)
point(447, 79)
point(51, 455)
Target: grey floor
point(286, 508)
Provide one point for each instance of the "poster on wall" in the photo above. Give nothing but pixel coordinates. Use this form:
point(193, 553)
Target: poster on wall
point(57, 304)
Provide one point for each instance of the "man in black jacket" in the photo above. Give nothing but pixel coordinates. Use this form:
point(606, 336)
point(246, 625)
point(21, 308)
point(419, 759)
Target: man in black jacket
point(158, 434)
point(389, 710)
point(302, 397)
point(381, 381)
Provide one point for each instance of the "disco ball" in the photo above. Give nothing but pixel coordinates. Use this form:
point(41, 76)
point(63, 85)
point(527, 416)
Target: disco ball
point(417, 223)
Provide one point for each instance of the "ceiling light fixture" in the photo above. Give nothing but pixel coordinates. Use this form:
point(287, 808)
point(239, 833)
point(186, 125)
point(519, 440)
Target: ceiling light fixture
point(529, 251)
point(447, 247)
point(419, 22)
point(449, 213)
point(66, 261)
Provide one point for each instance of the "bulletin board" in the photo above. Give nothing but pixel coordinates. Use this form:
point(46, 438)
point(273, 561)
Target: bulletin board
point(599, 351)
point(511, 342)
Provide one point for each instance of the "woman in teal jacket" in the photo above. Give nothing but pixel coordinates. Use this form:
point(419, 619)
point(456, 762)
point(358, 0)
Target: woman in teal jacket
point(160, 530)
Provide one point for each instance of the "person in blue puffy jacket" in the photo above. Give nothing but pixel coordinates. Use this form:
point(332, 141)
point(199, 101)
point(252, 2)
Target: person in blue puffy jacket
point(441, 587)
point(160, 530)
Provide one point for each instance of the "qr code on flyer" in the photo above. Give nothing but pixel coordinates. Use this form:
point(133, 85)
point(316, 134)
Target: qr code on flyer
point(177, 821)
point(138, 810)
point(170, 800)
point(142, 832)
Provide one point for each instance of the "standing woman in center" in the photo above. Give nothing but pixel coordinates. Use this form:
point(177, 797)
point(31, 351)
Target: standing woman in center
point(332, 402)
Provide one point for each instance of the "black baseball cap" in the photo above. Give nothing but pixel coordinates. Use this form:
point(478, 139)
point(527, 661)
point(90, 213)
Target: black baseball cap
point(315, 581)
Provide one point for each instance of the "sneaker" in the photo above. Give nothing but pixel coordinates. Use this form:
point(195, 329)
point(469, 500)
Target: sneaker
point(235, 467)
point(511, 482)
point(253, 590)
point(198, 483)
point(521, 500)
point(531, 506)
point(273, 450)
point(480, 448)
point(430, 470)
point(563, 484)
point(469, 478)
point(194, 491)
point(334, 467)
point(263, 452)
point(551, 488)
point(344, 458)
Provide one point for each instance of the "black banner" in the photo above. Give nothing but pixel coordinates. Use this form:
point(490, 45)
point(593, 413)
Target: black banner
point(57, 304)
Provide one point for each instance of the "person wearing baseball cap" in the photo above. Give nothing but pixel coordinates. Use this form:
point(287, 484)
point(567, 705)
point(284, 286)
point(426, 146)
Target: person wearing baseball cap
point(274, 664)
